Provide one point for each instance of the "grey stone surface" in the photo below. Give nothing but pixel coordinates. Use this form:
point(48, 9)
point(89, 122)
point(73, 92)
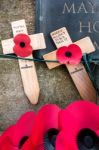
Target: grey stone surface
point(56, 85)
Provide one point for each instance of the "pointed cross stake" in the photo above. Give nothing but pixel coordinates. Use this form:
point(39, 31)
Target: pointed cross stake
point(77, 72)
point(27, 68)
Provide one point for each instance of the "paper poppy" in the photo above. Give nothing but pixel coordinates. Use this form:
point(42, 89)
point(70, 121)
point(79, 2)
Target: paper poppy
point(75, 127)
point(15, 136)
point(22, 45)
point(5, 139)
point(79, 126)
point(69, 55)
point(45, 128)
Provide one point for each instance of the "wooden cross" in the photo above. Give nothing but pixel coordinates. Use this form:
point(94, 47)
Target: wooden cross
point(27, 68)
point(78, 73)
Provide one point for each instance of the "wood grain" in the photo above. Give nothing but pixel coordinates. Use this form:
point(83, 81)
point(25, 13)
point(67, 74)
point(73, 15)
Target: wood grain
point(27, 68)
point(77, 72)
point(82, 82)
point(37, 42)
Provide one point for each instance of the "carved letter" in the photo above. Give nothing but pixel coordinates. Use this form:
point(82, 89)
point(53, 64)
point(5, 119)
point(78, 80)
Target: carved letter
point(96, 26)
point(96, 45)
point(88, 26)
point(69, 10)
point(92, 7)
point(82, 8)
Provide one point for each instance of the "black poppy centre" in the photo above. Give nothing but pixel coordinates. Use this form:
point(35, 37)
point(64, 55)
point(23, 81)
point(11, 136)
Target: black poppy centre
point(88, 140)
point(22, 44)
point(68, 54)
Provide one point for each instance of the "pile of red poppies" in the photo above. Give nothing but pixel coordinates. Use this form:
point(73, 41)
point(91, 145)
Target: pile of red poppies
point(74, 128)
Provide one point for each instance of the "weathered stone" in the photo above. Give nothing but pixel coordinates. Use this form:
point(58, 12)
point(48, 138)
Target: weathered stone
point(56, 85)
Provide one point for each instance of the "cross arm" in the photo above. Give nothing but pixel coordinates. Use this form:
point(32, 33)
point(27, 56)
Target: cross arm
point(37, 42)
point(27, 68)
point(85, 44)
point(78, 73)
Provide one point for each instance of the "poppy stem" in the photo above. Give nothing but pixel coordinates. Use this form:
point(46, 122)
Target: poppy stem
point(39, 60)
point(30, 59)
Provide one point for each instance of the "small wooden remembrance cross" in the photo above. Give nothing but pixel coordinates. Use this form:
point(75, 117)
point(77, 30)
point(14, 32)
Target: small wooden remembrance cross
point(77, 72)
point(27, 68)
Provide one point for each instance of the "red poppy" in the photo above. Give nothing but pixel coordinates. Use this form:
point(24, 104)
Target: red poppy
point(46, 121)
point(22, 45)
point(15, 136)
point(79, 127)
point(71, 54)
point(75, 127)
point(77, 123)
point(5, 140)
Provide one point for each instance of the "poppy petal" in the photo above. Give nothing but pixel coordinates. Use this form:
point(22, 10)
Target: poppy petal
point(18, 134)
point(47, 118)
point(66, 141)
point(71, 54)
point(75, 61)
point(75, 50)
point(22, 52)
point(23, 128)
point(82, 113)
point(76, 117)
point(7, 146)
point(76, 54)
point(22, 38)
point(60, 54)
point(6, 137)
point(61, 142)
point(27, 145)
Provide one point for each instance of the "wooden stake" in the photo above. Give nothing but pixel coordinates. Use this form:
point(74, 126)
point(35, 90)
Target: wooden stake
point(77, 72)
point(27, 68)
